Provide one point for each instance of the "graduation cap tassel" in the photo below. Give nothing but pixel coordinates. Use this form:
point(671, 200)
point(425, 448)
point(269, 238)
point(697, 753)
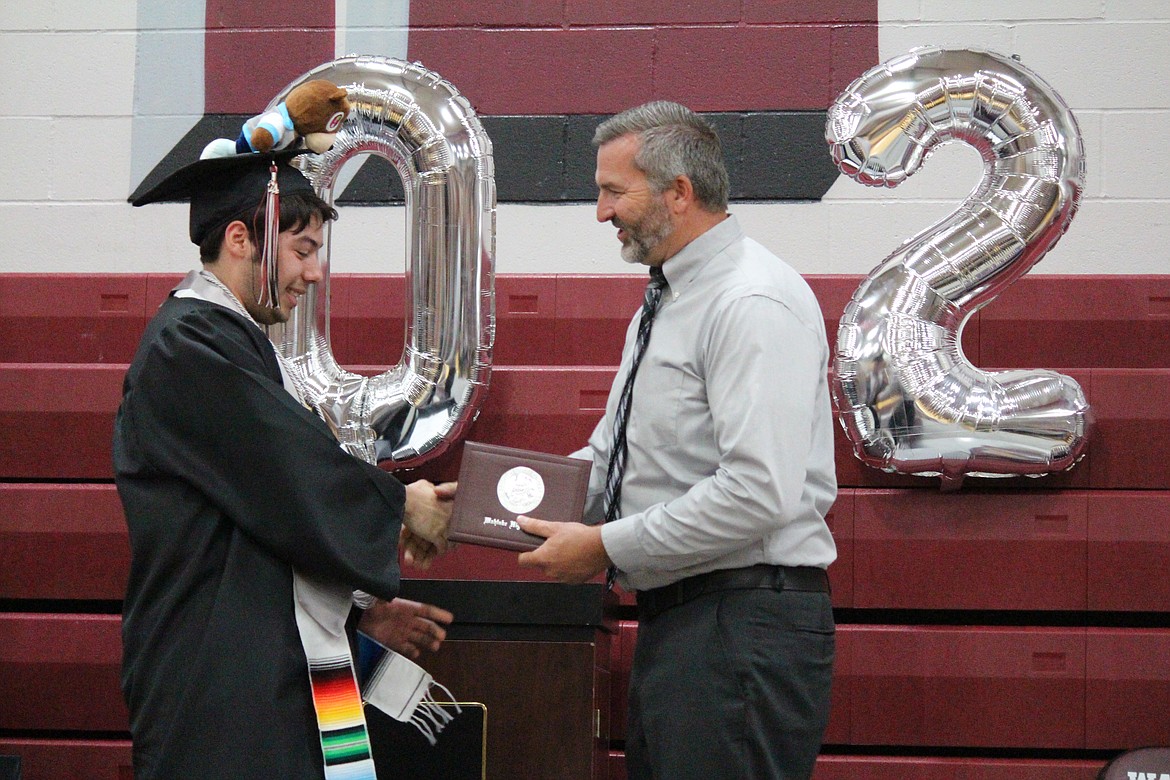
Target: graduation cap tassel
point(271, 240)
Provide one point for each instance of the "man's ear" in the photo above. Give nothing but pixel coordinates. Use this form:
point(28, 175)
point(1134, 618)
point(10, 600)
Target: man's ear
point(682, 193)
point(236, 241)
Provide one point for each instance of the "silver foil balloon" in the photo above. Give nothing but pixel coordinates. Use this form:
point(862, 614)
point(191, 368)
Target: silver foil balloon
point(420, 123)
point(907, 397)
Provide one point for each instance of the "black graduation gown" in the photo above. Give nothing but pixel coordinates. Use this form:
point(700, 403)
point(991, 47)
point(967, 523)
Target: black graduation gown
point(228, 484)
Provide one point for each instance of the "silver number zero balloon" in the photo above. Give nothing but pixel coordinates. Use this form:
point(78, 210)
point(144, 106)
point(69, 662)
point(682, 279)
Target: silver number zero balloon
point(420, 123)
point(907, 397)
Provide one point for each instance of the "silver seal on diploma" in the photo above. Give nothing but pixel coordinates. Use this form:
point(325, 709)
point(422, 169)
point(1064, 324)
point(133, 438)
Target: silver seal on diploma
point(520, 490)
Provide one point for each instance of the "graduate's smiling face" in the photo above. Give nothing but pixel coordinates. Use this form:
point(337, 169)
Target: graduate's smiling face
point(298, 264)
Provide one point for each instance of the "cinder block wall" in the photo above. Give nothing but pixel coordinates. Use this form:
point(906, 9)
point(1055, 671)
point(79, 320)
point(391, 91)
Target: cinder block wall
point(97, 94)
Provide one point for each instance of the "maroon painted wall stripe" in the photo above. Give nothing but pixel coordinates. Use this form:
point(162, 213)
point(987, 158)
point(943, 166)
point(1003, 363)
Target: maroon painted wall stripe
point(594, 58)
point(253, 50)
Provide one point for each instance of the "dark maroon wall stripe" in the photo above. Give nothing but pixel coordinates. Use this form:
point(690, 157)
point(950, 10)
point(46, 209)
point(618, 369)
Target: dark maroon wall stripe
point(604, 71)
point(253, 50)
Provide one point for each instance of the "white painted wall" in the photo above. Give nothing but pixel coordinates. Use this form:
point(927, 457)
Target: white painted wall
point(66, 117)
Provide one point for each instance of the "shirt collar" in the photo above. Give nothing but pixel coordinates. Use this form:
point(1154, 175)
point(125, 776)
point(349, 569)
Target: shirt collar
point(683, 267)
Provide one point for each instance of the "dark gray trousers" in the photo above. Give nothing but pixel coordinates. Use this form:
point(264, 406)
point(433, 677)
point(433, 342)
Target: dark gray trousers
point(733, 684)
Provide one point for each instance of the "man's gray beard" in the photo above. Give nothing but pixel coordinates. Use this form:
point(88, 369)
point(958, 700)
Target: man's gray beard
point(633, 253)
point(653, 230)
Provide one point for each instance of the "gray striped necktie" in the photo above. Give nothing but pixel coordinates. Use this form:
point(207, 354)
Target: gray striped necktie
point(618, 448)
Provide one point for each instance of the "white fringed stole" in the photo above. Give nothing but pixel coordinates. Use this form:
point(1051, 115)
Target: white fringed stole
point(405, 691)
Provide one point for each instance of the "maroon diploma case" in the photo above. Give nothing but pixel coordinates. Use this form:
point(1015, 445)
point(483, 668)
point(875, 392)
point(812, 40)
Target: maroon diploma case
point(498, 484)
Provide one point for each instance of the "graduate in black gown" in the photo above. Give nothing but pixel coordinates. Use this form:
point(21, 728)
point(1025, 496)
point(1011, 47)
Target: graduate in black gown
point(236, 494)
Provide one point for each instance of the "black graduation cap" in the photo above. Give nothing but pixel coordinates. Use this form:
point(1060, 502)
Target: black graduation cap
point(220, 188)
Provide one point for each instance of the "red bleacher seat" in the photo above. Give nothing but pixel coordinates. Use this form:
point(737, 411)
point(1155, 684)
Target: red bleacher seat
point(1088, 543)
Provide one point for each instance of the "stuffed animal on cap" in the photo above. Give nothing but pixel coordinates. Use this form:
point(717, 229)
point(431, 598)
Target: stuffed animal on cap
point(313, 111)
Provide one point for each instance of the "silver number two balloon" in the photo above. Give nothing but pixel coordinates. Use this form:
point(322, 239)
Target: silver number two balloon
point(907, 397)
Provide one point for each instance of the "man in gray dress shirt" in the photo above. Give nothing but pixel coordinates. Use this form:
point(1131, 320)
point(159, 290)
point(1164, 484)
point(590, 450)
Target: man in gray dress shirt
point(728, 477)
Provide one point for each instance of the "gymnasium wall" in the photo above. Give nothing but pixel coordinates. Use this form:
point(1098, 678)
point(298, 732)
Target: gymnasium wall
point(99, 94)
point(1013, 629)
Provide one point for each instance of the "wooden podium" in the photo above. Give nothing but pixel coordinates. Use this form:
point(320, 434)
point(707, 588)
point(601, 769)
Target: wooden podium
point(536, 655)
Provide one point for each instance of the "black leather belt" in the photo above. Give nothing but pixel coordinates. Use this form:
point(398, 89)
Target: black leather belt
point(655, 601)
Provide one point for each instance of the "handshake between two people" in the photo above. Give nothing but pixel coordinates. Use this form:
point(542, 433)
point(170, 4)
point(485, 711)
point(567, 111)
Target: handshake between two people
point(425, 521)
point(410, 627)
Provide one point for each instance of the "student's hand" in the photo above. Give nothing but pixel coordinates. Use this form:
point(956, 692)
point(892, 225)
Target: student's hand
point(572, 552)
point(427, 515)
point(406, 627)
point(416, 551)
point(446, 490)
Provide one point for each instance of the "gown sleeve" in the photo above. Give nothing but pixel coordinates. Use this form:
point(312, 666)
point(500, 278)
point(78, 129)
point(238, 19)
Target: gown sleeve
point(206, 406)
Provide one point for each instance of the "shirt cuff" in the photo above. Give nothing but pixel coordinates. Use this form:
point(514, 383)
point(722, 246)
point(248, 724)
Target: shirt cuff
point(620, 539)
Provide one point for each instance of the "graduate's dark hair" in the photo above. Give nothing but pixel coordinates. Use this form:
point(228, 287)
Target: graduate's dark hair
point(297, 209)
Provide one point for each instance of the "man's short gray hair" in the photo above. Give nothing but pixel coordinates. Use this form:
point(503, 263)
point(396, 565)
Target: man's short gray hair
point(675, 142)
